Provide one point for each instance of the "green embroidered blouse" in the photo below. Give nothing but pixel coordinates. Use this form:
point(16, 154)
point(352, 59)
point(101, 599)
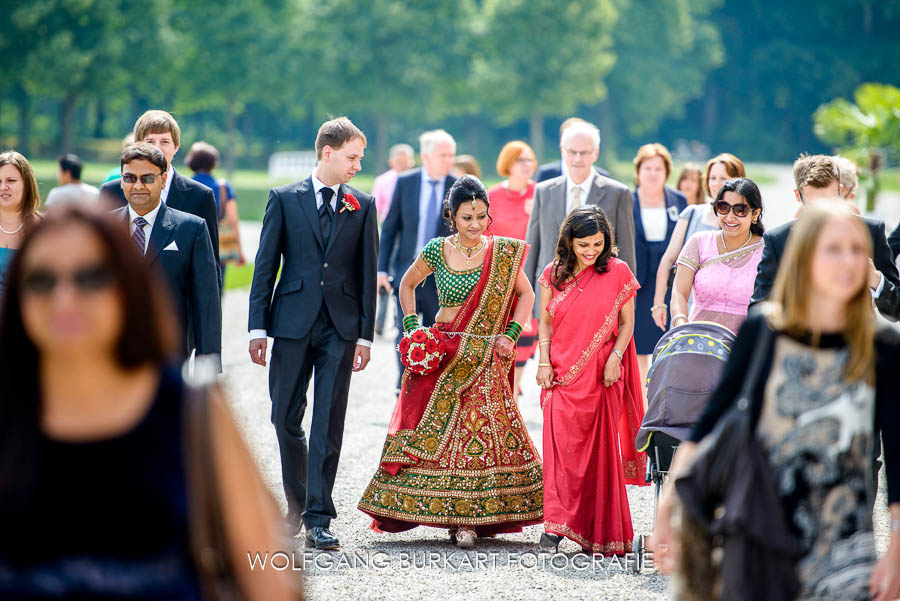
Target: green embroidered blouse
point(453, 287)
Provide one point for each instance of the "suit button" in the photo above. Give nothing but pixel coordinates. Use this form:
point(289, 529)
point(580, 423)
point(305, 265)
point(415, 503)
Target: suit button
point(325, 265)
point(322, 283)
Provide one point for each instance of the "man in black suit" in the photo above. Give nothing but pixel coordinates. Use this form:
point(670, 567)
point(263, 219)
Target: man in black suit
point(817, 179)
point(415, 217)
point(177, 244)
point(322, 317)
point(557, 168)
point(160, 129)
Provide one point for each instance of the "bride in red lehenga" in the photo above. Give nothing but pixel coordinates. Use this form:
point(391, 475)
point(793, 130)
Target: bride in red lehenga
point(591, 395)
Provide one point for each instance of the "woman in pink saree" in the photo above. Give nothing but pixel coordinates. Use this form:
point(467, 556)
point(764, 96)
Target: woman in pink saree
point(719, 267)
point(591, 397)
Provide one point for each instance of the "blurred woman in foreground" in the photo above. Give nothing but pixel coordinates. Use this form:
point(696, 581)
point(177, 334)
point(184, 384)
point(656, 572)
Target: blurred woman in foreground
point(96, 490)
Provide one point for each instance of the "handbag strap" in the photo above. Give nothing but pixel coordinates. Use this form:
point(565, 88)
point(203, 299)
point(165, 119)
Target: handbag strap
point(763, 342)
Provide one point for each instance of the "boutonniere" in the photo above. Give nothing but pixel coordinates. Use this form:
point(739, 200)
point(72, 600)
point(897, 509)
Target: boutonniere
point(350, 203)
point(673, 213)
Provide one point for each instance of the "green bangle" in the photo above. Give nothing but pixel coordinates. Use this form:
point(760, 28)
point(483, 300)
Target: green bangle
point(410, 322)
point(512, 333)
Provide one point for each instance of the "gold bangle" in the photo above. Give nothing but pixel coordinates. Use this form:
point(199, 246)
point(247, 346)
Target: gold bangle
point(508, 337)
point(545, 365)
point(544, 342)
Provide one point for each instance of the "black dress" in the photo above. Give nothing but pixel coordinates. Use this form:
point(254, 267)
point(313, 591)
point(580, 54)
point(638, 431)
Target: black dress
point(820, 432)
point(105, 518)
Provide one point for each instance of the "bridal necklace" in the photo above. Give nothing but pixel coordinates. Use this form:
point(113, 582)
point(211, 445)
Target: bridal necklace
point(14, 232)
point(750, 237)
point(468, 253)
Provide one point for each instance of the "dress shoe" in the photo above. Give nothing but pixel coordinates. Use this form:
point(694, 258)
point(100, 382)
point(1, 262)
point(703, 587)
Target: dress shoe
point(550, 542)
point(321, 538)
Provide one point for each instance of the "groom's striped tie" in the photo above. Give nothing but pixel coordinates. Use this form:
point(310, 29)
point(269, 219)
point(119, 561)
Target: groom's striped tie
point(140, 240)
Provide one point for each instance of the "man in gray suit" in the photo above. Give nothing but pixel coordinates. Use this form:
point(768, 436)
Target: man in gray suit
point(581, 185)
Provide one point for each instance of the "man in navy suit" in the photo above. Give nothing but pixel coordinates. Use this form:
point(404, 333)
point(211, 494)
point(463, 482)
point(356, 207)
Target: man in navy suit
point(321, 315)
point(415, 217)
point(175, 243)
point(160, 129)
point(817, 179)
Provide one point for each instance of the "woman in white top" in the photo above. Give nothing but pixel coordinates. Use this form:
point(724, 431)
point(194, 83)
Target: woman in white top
point(695, 218)
point(656, 210)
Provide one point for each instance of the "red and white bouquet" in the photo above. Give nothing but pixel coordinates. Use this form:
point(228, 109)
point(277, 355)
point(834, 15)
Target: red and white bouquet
point(422, 350)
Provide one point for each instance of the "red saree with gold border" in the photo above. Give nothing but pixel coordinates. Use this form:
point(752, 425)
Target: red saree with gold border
point(457, 451)
point(589, 430)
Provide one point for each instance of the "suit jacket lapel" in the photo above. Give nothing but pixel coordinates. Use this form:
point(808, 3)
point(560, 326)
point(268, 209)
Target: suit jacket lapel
point(306, 195)
point(638, 219)
point(558, 205)
point(161, 235)
point(338, 218)
point(178, 192)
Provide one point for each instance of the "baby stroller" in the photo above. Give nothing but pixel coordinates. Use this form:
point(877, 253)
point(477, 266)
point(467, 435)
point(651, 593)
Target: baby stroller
point(687, 363)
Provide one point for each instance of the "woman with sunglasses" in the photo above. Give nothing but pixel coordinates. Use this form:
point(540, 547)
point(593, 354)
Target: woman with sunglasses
point(96, 487)
point(719, 267)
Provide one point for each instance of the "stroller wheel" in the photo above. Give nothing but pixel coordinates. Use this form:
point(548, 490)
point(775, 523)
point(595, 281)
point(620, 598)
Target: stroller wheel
point(637, 549)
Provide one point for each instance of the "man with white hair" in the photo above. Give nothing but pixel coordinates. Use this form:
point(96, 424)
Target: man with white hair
point(415, 217)
point(581, 185)
point(557, 168)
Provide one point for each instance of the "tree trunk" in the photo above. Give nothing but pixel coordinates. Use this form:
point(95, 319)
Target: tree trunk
point(66, 123)
point(230, 130)
point(101, 118)
point(536, 133)
point(382, 127)
point(24, 105)
point(608, 135)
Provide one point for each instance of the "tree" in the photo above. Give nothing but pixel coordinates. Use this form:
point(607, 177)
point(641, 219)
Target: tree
point(540, 58)
point(236, 57)
point(665, 50)
point(78, 48)
point(866, 130)
point(390, 60)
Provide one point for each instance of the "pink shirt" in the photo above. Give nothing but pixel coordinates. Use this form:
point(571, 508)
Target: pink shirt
point(723, 283)
point(383, 191)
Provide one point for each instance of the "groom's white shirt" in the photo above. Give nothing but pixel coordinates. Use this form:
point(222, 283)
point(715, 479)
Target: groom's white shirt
point(317, 186)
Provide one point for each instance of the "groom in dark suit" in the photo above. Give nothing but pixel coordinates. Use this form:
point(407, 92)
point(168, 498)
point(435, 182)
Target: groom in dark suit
point(415, 217)
point(321, 315)
point(175, 243)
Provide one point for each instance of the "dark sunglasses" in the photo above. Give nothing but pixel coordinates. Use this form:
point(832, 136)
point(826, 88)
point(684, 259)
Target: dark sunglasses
point(147, 178)
point(92, 278)
point(723, 208)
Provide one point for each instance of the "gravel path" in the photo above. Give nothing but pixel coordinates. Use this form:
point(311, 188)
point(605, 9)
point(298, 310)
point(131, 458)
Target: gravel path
point(421, 564)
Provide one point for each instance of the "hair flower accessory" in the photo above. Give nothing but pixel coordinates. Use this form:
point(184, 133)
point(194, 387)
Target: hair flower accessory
point(350, 203)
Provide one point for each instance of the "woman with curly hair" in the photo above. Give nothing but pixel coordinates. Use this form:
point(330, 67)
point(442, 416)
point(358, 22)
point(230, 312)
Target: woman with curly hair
point(591, 397)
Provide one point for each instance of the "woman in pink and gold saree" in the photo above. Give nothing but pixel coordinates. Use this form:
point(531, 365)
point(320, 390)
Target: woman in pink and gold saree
point(591, 397)
point(457, 454)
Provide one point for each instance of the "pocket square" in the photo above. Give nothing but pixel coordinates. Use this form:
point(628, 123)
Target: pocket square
point(171, 246)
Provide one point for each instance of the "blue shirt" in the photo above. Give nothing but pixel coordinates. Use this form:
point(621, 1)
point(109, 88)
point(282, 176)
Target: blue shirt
point(427, 221)
point(210, 182)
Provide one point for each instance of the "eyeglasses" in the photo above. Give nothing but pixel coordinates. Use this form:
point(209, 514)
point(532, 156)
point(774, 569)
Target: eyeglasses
point(90, 279)
point(723, 208)
point(579, 153)
point(525, 160)
point(147, 178)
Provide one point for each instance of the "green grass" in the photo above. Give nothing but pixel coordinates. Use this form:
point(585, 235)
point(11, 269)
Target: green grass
point(890, 179)
point(238, 277)
point(252, 186)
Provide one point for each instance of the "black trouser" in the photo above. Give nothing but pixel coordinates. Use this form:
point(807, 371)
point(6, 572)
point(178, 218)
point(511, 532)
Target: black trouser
point(384, 305)
point(308, 476)
point(426, 306)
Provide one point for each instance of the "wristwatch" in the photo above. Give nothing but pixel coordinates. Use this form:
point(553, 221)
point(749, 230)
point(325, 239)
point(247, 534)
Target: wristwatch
point(619, 354)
